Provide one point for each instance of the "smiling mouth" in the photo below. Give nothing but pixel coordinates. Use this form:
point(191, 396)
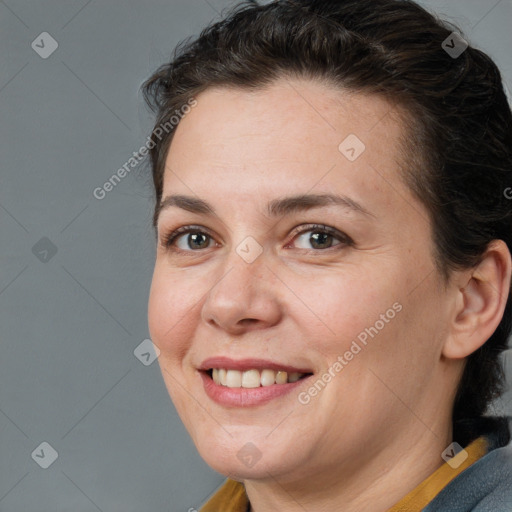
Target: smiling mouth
point(253, 378)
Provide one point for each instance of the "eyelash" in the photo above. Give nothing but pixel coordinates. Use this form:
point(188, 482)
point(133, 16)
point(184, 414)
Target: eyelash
point(169, 239)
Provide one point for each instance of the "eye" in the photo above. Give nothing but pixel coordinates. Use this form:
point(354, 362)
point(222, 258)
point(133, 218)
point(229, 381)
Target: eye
point(321, 237)
point(197, 238)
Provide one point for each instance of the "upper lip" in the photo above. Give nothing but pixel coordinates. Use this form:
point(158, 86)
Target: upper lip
point(248, 364)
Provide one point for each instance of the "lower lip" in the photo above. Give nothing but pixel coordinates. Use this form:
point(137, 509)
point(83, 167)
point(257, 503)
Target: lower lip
point(246, 397)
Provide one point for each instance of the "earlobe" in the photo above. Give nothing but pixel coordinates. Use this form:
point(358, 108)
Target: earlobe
point(480, 303)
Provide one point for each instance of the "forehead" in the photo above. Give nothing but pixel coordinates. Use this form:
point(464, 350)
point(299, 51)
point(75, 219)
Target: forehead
point(303, 110)
point(293, 136)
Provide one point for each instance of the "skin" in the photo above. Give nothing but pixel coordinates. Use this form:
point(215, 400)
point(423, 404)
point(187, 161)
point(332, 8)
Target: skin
point(378, 428)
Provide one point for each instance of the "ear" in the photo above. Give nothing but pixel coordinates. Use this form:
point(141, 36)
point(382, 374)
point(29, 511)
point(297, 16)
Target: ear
point(480, 301)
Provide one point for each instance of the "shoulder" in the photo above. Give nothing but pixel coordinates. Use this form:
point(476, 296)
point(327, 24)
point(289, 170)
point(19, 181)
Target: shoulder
point(486, 485)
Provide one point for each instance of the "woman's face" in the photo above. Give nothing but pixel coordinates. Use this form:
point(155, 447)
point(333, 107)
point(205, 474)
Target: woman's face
point(358, 311)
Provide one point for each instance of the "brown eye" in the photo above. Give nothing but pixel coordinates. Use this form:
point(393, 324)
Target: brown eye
point(196, 240)
point(190, 238)
point(320, 238)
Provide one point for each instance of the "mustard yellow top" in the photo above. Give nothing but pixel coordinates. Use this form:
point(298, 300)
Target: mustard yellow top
point(231, 497)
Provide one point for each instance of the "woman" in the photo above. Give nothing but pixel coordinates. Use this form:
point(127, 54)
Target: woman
point(331, 290)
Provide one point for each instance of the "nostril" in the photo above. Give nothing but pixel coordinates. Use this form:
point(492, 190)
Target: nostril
point(248, 320)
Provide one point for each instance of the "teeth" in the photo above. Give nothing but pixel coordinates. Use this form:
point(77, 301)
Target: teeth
point(234, 379)
point(268, 377)
point(252, 378)
point(293, 377)
point(281, 377)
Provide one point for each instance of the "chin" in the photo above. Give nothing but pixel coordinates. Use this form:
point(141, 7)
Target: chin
point(247, 456)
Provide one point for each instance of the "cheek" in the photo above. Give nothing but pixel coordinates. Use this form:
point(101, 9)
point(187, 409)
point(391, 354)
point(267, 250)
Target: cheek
point(341, 303)
point(170, 309)
point(367, 318)
point(170, 312)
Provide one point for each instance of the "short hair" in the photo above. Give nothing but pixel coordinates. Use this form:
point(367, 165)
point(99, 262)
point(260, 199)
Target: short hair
point(457, 152)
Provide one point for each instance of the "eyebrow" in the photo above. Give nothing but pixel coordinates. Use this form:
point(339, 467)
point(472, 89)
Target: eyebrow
point(275, 208)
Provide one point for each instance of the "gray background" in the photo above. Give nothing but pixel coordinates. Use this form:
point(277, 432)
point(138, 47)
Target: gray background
point(70, 321)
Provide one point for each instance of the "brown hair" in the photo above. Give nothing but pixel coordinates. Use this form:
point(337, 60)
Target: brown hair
point(459, 147)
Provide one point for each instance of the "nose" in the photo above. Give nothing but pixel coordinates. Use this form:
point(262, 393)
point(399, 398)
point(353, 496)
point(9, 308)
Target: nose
point(246, 296)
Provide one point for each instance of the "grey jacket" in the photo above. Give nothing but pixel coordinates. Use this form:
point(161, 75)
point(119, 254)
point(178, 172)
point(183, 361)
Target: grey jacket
point(486, 486)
